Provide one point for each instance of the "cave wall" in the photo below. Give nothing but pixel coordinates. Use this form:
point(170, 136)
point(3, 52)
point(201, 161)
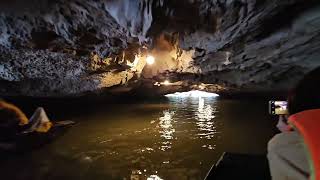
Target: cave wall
point(56, 48)
point(67, 48)
point(249, 45)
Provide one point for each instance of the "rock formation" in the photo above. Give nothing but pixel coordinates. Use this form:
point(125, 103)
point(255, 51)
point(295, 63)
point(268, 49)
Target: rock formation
point(70, 48)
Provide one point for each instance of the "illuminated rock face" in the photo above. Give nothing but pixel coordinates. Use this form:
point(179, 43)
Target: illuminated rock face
point(133, 15)
point(58, 48)
point(67, 48)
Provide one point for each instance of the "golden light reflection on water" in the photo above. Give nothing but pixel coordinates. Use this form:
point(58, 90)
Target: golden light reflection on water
point(138, 175)
point(205, 116)
point(166, 129)
point(201, 118)
point(154, 177)
point(180, 138)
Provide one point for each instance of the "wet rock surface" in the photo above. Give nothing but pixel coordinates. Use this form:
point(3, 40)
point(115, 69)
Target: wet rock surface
point(68, 48)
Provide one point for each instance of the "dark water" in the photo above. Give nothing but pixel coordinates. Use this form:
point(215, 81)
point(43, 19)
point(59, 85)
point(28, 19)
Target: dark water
point(177, 138)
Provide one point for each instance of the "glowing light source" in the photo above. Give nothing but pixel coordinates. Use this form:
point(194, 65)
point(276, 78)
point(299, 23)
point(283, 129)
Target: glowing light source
point(154, 177)
point(150, 60)
point(166, 82)
point(194, 93)
point(201, 87)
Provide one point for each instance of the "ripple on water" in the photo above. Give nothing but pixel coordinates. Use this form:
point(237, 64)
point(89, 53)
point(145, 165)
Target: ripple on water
point(169, 142)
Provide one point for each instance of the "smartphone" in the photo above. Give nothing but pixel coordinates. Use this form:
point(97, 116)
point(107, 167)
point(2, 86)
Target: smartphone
point(278, 107)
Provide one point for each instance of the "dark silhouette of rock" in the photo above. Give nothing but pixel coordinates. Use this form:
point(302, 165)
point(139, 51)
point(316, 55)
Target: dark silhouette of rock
point(63, 48)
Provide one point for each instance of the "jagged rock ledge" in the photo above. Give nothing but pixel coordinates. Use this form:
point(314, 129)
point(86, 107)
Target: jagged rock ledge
point(77, 47)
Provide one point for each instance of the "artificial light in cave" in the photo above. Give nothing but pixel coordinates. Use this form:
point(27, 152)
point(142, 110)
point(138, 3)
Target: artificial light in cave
point(166, 82)
point(193, 93)
point(154, 177)
point(201, 86)
point(150, 60)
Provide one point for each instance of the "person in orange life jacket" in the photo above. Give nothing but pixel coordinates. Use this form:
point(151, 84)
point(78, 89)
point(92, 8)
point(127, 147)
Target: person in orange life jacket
point(289, 152)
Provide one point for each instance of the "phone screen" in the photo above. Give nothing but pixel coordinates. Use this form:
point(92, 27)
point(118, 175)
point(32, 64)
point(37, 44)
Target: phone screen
point(278, 107)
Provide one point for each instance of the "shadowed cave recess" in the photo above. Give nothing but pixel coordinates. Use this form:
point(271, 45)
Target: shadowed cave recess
point(80, 47)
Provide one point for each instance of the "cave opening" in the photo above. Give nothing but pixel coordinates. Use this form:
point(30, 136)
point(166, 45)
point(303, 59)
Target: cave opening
point(192, 93)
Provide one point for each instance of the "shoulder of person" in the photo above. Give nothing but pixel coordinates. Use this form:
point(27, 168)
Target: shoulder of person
point(284, 139)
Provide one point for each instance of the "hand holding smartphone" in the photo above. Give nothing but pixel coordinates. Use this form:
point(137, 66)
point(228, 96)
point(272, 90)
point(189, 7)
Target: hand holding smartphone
point(278, 107)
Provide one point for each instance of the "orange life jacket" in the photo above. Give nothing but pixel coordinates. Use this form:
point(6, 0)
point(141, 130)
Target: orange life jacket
point(308, 125)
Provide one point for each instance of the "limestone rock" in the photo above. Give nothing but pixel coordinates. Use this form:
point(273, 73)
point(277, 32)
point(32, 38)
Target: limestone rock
point(68, 48)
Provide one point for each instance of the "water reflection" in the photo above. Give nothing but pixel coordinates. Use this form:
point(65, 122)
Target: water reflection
point(154, 177)
point(166, 129)
point(205, 116)
point(138, 175)
point(153, 140)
